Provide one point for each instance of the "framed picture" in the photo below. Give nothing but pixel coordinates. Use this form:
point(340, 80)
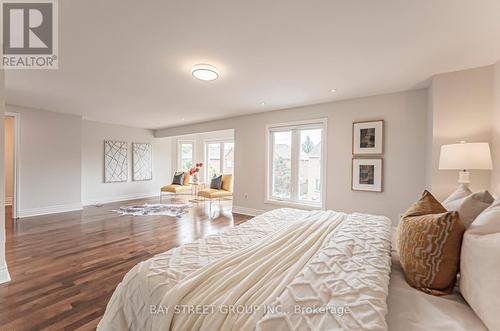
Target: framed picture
point(368, 137)
point(142, 161)
point(367, 175)
point(115, 161)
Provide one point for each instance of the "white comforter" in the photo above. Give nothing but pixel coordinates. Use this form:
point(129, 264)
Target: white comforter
point(283, 270)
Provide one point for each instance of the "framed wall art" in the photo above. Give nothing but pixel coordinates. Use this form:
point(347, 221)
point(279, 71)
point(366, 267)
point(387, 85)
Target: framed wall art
point(142, 161)
point(115, 161)
point(368, 138)
point(367, 175)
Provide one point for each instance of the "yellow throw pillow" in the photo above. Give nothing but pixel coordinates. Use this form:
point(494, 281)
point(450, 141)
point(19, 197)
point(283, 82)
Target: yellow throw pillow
point(429, 240)
point(227, 182)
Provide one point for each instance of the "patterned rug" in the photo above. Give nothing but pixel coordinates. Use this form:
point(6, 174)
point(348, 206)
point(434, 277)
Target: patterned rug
point(155, 209)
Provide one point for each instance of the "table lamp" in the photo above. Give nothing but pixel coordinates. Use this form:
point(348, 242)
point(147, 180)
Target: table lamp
point(465, 156)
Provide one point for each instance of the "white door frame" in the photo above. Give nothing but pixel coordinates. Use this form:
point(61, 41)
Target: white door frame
point(15, 195)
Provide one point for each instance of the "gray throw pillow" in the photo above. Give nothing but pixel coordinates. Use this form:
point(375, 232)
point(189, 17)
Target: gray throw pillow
point(216, 183)
point(178, 178)
point(471, 206)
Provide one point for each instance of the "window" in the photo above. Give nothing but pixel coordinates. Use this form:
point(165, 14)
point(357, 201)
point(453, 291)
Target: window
point(228, 158)
point(219, 158)
point(186, 154)
point(296, 163)
point(213, 160)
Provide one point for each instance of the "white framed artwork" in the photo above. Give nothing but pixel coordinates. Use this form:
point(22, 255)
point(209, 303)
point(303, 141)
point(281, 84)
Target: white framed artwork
point(367, 175)
point(115, 161)
point(142, 161)
point(368, 137)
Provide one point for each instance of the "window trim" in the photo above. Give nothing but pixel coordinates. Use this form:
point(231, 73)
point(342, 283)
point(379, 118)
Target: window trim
point(179, 152)
point(269, 199)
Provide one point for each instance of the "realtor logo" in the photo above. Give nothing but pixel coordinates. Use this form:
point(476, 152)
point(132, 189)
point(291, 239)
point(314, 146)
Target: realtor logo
point(29, 34)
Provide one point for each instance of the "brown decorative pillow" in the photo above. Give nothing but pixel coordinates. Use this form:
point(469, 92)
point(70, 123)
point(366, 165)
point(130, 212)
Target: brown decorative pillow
point(429, 240)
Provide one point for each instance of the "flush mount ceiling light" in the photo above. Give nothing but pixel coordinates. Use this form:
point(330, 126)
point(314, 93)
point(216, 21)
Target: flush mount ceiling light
point(333, 90)
point(205, 72)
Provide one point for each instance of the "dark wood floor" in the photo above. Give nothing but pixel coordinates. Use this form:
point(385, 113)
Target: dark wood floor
point(64, 267)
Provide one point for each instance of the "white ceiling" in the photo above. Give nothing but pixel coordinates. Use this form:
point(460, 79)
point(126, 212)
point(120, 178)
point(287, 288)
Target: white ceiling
point(128, 62)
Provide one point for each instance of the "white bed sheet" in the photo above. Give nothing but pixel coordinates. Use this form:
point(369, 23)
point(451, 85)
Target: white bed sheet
point(413, 310)
point(350, 270)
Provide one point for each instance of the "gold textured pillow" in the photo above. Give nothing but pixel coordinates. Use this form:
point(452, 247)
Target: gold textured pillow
point(227, 182)
point(429, 240)
point(187, 178)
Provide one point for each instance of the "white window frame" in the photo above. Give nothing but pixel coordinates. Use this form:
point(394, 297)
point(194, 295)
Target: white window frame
point(295, 202)
point(179, 152)
point(221, 143)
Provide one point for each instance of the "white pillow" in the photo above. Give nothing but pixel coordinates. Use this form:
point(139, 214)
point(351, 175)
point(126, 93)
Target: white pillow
point(480, 266)
point(461, 192)
point(470, 207)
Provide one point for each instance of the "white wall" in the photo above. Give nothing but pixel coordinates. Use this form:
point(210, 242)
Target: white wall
point(199, 141)
point(94, 189)
point(495, 150)
point(61, 162)
point(9, 159)
point(4, 274)
point(461, 105)
point(404, 162)
point(49, 161)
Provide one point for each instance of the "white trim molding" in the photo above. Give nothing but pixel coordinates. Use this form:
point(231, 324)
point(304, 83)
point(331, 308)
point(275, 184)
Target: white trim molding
point(118, 198)
point(247, 211)
point(16, 194)
point(29, 212)
point(291, 204)
point(4, 274)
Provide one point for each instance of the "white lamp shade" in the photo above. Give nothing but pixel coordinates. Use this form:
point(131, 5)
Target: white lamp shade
point(465, 156)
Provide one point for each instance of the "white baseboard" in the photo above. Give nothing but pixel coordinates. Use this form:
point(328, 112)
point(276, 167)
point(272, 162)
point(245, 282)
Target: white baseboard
point(4, 274)
point(117, 198)
point(8, 201)
point(247, 211)
point(49, 210)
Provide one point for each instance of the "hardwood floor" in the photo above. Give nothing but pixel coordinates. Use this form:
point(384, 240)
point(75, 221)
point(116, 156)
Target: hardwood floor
point(64, 267)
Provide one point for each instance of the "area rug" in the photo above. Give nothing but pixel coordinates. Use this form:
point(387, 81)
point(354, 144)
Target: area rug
point(155, 209)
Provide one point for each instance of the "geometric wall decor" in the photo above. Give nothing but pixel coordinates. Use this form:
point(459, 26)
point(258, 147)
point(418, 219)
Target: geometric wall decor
point(115, 161)
point(142, 161)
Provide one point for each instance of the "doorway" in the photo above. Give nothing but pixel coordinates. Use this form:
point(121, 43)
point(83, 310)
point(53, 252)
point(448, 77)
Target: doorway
point(10, 165)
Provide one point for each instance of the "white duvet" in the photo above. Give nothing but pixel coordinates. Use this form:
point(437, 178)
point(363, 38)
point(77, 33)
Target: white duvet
point(283, 270)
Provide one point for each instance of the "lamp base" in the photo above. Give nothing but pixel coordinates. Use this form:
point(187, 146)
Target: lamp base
point(464, 177)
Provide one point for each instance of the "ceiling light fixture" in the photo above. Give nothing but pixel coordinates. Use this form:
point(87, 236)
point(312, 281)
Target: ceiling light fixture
point(333, 90)
point(205, 72)
point(262, 103)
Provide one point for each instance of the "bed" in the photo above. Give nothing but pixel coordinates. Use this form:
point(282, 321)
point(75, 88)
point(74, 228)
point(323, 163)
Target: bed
point(289, 269)
point(286, 269)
